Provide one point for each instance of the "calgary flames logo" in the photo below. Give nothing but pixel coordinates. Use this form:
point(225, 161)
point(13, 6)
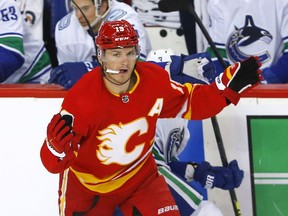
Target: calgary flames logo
point(114, 140)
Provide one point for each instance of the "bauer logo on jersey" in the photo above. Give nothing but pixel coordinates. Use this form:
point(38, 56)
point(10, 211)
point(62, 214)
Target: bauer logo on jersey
point(249, 35)
point(113, 148)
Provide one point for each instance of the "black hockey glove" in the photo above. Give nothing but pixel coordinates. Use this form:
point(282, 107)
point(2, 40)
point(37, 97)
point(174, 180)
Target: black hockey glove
point(240, 75)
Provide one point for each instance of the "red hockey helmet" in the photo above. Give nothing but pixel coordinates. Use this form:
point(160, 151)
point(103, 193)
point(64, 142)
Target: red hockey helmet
point(116, 34)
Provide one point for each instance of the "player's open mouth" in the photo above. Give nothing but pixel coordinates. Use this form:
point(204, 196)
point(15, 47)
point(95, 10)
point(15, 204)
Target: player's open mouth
point(123, 70)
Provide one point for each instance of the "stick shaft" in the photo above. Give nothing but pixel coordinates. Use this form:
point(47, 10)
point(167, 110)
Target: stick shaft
point(214, 120)
point(224, 160)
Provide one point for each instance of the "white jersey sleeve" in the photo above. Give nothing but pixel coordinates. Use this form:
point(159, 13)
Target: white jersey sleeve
point(172, 136)
point(14, 37)
point(32, 11)
point(11, 31)
point(79, 46)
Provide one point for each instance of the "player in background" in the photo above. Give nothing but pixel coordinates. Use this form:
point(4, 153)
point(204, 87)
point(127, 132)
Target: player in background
point(242, 28)
point(82, 49)
point(23, 59)
point(74, 39)
point(79, 47)
point(172, 136)
point(104, 155)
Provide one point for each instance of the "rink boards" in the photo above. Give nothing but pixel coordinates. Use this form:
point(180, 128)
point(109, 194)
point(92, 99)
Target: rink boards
point(254, 132)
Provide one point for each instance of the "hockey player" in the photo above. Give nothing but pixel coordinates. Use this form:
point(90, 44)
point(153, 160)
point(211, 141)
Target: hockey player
point(196, 68)
point(23, 59)
point(171, 139)
point(79, 46)
point(104, 153)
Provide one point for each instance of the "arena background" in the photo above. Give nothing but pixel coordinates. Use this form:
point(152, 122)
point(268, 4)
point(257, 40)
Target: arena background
point(254, 133)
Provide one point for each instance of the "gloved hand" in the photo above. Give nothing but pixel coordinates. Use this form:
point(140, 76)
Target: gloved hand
point(226, 178)
point(69, 73)
point(59, 134)
point(196, 68)
point(240, 75)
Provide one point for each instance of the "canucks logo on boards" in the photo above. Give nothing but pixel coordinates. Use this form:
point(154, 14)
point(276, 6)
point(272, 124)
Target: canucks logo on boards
point(248, 35)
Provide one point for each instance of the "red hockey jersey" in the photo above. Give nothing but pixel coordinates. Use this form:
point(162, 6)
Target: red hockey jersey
point(118, 130)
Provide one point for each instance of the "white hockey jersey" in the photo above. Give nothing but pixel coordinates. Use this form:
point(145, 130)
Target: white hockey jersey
point(250, 27)
point(172, 136)
point(14, 37)
point(32, 11)
point(74, 44)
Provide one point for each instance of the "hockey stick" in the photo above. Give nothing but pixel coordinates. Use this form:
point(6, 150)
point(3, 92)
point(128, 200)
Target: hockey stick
point(184, 5)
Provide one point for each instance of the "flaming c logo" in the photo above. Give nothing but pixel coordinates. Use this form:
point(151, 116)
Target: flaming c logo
point(114, 140)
